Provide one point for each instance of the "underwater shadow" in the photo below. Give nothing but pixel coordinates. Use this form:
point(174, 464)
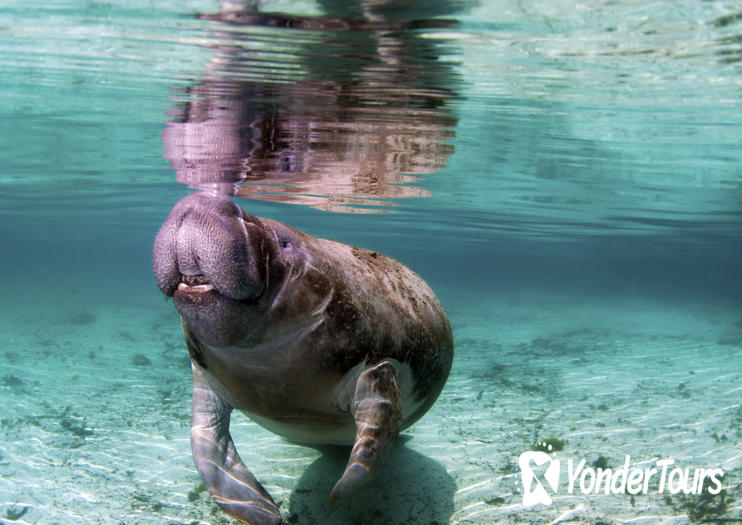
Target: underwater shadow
point(409, 489)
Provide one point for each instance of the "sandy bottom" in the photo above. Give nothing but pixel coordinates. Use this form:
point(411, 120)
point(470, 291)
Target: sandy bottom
point(95, 415)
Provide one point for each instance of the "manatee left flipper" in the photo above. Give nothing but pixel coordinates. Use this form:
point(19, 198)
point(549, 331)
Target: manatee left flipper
point(377, 410)
point(230, 483)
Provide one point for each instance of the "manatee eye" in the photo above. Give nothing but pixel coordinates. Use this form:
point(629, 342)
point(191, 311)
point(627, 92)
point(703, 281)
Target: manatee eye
point(284, 243)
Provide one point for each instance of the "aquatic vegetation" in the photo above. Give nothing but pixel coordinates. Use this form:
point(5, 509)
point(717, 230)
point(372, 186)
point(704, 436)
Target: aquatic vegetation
point(705, 507)
point(140, 360)
point(11, 381)
point(196, 492)
point(519, 378)
point(550, 346)
point(75, 427)
point(82, 318)
point(601, 462)
point(126, 335)
point(15, 513)
point(729, 341)
point(550, 444)
point(735, 425)
point(74, 423)
point(682, 390)
point(144, 500)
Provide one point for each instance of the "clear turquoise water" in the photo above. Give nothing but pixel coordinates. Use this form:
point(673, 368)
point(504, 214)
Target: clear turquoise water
point(566, 175)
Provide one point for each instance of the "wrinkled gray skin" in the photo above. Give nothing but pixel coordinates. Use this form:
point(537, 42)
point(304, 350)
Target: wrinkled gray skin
point(315, 340)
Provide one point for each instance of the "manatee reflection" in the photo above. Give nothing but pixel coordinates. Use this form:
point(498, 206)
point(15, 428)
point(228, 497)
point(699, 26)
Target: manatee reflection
point(338, 112)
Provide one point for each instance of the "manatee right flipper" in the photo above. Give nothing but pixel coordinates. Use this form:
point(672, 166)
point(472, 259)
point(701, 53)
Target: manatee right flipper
point(230, 483)
point(377, 409)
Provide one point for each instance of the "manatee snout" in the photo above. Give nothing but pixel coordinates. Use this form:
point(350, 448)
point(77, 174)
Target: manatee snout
point(203, 258)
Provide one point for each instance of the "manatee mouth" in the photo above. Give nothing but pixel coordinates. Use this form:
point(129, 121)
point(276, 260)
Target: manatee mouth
point(213, 317)
point(194, 284)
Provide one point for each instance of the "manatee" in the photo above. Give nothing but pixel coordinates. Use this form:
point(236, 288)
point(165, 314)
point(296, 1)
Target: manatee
point(315, 340)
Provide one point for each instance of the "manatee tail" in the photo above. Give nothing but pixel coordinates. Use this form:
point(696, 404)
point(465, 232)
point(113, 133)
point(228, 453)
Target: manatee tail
point(377, 410)
point(231, 485)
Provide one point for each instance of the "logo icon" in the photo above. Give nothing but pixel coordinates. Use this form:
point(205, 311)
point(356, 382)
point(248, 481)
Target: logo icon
point(539, 472)
point(534, 491)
